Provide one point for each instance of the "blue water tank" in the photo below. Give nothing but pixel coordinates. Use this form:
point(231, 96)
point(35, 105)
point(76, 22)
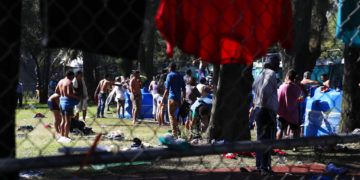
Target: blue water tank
point(146, 105)
point(323, 113)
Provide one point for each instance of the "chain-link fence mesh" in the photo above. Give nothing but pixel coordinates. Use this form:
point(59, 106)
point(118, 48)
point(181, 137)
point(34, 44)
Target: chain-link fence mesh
point(116, 37)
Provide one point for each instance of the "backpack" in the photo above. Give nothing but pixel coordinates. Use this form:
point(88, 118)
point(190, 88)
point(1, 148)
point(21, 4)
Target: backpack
point(76, 124)
point(78, 127)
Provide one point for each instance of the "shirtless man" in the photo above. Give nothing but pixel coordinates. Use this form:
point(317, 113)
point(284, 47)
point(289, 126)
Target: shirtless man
point(135, 95)
point(67, 102)
point(101, 93)
point(306, 83)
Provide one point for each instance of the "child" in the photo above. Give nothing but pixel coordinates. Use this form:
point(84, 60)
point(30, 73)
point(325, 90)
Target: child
point(161, 110)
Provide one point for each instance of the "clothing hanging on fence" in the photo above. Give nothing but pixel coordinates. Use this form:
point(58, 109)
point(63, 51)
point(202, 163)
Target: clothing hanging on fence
point(111, 27)
point(348, 22)
point(225, 31)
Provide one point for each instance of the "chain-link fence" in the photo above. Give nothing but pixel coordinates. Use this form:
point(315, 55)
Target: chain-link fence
point(215, 137)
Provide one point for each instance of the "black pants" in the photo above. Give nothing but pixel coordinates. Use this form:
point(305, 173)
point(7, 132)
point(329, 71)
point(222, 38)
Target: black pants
point(266, 129)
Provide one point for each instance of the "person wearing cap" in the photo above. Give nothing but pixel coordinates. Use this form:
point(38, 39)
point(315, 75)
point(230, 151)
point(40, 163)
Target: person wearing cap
point(174, 92)
point(266, 105)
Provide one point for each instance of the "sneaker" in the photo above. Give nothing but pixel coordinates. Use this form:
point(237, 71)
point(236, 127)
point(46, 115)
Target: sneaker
point(63, 139)
point(60, 139)
point(195, 141)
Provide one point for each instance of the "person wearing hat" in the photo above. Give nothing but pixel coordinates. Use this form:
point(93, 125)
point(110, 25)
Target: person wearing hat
point(174, 92)
point(266, 105)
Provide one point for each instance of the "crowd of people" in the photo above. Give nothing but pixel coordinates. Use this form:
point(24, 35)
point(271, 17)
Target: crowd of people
point(70, 94)
point(177, 99)
point(186, 100)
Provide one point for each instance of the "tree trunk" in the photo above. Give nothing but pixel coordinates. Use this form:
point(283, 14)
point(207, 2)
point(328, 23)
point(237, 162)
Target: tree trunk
point(89, 64)
point(146, 49)
point(231, 104)
point(42, 74)
point(45, 74)
point(309, 24)
point(350, 116)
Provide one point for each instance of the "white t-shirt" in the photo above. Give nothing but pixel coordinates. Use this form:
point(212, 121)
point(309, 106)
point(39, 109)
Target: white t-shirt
point(120, 93)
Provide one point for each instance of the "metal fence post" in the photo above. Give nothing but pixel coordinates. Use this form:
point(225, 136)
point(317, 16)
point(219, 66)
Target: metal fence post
point(9, 69)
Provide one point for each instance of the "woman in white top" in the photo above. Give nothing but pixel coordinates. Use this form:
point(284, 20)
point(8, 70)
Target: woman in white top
point(120, 88)
point(153, 88)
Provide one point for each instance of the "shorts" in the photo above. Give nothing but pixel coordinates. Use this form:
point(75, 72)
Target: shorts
point(53, 106)
point(67, 106)
point(283, 124)
point(160, 100)
point(67, 112)
point(136, 101)
point(82, 105)
point(117, 99)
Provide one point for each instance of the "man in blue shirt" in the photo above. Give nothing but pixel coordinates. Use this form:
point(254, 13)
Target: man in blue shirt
point(174, 92)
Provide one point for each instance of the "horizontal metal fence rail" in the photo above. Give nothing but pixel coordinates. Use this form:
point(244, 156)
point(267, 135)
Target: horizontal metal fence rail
point(154, 154)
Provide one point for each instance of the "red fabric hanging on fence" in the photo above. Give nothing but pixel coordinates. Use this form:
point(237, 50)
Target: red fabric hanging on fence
point(225, 31)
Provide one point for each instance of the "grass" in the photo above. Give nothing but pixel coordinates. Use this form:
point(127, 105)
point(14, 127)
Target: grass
point(41, 142)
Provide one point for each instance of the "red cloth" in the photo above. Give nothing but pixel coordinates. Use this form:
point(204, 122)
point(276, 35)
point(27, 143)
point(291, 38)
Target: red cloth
point(225, 31)
point(279, 152)
point(230, 155)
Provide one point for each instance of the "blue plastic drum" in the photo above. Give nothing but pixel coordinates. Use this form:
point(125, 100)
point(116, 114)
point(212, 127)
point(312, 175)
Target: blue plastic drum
point(146, 105)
